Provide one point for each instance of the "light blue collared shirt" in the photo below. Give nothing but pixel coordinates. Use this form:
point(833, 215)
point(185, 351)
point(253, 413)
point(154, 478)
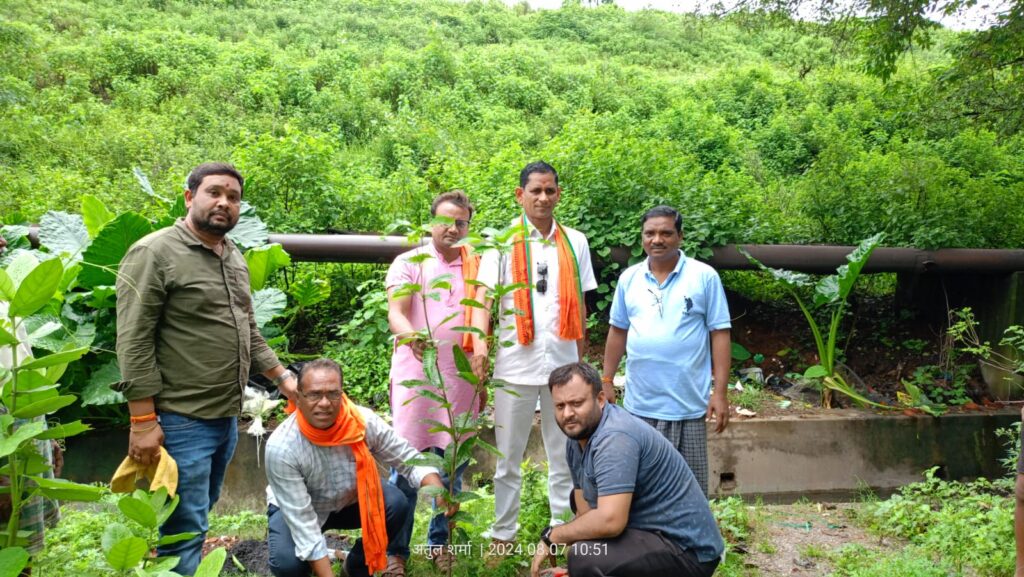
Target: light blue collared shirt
point(668, 347)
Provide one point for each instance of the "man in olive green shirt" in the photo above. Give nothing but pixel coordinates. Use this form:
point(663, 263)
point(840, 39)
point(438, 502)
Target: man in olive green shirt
point(186, 343)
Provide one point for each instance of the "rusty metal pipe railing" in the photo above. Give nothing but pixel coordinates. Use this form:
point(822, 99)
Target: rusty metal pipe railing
point(804, 258)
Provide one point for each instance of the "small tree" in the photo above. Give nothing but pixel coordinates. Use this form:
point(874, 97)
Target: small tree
point(29, 390)
point(463, 428)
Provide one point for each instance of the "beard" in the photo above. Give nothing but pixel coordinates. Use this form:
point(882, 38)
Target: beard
point(206, 223)
point(587, 429)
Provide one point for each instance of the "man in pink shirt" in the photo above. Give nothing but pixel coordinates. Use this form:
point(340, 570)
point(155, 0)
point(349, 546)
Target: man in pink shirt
point(408, 314)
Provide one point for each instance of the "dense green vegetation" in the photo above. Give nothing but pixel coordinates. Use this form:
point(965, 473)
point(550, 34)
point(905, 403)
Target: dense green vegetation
point(347, 114)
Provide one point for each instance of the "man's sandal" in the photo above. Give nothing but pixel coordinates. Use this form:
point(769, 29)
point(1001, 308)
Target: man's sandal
point(395, 568)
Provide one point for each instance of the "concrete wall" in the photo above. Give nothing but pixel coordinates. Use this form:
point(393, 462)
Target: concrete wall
point(823, 456)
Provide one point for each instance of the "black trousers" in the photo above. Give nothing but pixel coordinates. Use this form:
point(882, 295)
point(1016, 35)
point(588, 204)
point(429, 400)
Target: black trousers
point(284, 563)
point(635, 553)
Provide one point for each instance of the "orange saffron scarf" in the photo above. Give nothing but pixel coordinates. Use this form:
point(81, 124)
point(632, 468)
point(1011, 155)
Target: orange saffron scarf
point(570, 293)
point(470, 268)
point(350, 429)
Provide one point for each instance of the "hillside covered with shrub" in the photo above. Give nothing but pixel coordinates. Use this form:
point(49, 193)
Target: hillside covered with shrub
point(348, 114)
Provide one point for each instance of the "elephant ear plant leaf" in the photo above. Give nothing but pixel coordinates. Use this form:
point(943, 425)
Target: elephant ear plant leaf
point(831, 293)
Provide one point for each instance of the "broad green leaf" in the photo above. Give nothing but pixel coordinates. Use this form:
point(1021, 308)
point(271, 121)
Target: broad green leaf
point(103, 297)
point(22, 434)
point(63, 233)
point(848, 273)
point(44, 407)
point(69, 279)
point(18, 269)
point(34, 380)
point(163, 565)
point(250, 232)
point(6, 338)
point(158, 498)
point(168, 508)
point(67, 490)
point(790, 279)
point(95, 214)
point(112, 534)
point(7, 287)
point(103, 256)
point(739, 352)
point(13, 561)
point(138, 510)
point(41, 326)
point(263, 262)
point(37, 288)
point(212, 564)
point(268, 304)
point(61, 358)
point(126, 553)
point(98, 391)
point(65, 430)
point(815, 372)
point(31, 396)
point(176, 538)
point(143, 181)
point(308, 291)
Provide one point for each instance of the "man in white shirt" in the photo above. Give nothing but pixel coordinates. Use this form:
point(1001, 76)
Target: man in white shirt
point(323, 475)
point(554, 264)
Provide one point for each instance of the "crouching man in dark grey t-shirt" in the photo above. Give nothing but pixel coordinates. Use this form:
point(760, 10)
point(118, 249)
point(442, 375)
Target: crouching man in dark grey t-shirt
point(639, 510)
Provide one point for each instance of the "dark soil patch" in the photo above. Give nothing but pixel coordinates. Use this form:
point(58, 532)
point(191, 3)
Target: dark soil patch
point(881, 343)
point(253, 555)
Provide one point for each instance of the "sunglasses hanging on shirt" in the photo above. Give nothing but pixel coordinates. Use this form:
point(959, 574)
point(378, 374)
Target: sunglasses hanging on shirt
point(542, 272)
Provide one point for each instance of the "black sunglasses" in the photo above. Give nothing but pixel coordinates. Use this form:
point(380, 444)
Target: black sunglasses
point(542, 271)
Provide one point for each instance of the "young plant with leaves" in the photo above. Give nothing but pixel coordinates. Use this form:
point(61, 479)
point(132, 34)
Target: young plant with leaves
point(831, 293)
point(461, 428)
point(128, 551)
point(29, 391)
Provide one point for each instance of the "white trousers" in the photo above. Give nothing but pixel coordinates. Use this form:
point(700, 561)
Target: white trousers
point(513, 419)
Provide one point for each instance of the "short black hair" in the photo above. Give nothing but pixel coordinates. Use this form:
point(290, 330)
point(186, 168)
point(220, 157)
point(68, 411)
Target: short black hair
point(321, 364)
point(539, 167)
point(663, 210)
point(456, 197)
point(195, 178)
point(564, 374)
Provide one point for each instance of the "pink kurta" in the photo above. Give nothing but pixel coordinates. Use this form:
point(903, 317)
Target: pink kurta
point(404, 366)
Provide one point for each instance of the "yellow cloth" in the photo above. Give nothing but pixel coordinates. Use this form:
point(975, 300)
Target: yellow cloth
point(164, 473)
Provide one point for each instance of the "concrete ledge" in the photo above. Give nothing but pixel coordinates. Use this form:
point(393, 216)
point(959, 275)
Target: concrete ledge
point(842, 451)
point(830, 455)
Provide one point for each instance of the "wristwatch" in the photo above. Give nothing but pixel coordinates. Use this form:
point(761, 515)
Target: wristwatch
point(545, 535)
point(281, 378)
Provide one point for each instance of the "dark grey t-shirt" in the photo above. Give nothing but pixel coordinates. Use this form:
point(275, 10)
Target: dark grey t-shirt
point(626, 455)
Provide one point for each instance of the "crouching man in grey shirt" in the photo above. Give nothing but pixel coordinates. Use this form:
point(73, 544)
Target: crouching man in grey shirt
point(639, 510)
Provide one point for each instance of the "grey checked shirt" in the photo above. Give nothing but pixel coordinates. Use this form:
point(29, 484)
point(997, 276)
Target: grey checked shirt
point(309, 482)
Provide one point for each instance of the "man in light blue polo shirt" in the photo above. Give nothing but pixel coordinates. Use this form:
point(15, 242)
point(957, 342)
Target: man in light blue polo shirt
point(670, 318)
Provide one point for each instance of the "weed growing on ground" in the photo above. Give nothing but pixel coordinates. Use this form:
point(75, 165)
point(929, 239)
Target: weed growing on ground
point(858, 561)
point(244, 525)
point(964, 524)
